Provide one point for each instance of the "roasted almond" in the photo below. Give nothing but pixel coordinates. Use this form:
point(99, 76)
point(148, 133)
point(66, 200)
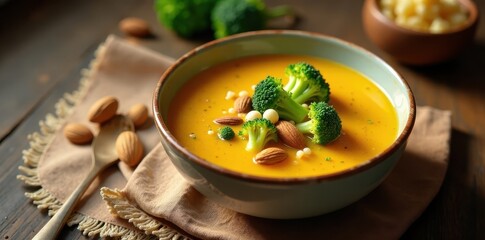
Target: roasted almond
point(129, 148)
point(138, 113)
point(78, 133)
point(270, 155)
point(103, 109)
point(229, 121)
point(290, 135)
point(243, 104)
point(135, 27)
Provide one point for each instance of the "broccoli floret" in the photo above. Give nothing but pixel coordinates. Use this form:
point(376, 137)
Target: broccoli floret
point(237, 16)
point(258, 132)
point(186, 18)
point(324, 124)
point(269, 94)
point(306, 84)
point(226, 133)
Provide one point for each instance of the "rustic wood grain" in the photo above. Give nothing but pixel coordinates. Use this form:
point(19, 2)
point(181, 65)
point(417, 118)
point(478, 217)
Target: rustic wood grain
point(44, 44)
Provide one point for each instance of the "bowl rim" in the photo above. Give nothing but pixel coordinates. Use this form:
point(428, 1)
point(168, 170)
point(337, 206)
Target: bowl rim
point(165, 132)
point(472, 20)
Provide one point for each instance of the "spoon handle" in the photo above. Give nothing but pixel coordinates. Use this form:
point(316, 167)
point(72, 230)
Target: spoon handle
point(56, 223)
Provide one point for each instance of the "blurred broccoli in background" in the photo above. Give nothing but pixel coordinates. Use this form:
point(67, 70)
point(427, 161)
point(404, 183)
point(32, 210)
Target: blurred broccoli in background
point(189, 18)
point(186, 18)
point(237, 16)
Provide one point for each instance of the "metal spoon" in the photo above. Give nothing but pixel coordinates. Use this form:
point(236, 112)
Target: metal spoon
point(104, 154)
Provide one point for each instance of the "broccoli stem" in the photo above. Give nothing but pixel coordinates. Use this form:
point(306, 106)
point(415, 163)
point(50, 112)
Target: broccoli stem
point(251, 141)
point(260, 139)
point(278, 11)
point(293, 111)
point(305, 127)
point(299, 88)
point(304, 96)
point(256, 140)
point(291, 83)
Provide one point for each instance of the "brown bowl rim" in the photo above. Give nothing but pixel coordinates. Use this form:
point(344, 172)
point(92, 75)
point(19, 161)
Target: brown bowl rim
point(468, 4)
point(164, 131)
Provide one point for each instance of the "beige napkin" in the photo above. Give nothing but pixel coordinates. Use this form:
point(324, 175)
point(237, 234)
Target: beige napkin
point(156, 200)
point(156, 189)
point(120, 69)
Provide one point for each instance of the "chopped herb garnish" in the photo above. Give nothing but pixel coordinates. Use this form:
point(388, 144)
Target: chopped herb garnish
point(193, 136)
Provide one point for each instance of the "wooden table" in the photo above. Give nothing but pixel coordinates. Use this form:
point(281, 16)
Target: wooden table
point(45, 44)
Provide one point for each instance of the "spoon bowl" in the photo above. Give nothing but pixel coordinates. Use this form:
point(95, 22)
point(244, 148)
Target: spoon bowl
point(104, 144)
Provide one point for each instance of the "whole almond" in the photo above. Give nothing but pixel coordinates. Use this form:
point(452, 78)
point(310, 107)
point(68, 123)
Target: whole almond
point(243, 104)
point(229, 121)
point(271, 155)
point(78, 133)
point(129, 148)
point(103, 109)
point(135, 27)
point(290, 135)
point(138, 113)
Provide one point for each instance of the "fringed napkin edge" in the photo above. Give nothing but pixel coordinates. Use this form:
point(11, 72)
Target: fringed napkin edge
point(119, 205)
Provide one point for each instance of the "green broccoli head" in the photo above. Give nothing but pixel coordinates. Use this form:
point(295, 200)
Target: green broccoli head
point(258, 132)
point(237, 16)
point(226, 133)
point(269, 94)
point(186, 18)
point(324, 124)
point(306, 84)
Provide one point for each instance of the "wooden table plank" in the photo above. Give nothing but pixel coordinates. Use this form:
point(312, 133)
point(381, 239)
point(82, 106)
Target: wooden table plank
point(42, 41)
point(20, 218)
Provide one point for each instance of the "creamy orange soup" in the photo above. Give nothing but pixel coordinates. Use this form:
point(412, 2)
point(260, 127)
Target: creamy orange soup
point(369, 121)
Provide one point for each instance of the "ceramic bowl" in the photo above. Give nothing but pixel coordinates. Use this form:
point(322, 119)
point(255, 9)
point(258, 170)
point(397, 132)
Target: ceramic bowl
point(283, 198)
point(413, 47)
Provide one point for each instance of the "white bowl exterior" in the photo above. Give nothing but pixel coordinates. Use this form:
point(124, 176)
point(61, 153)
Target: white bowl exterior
point(285, 201)
point(280, 201)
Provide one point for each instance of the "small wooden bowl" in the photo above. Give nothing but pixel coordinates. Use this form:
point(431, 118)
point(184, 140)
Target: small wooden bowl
point(413, 47)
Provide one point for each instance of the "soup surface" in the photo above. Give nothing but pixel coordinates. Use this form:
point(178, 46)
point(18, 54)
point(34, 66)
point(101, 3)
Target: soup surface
point(369, 121)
